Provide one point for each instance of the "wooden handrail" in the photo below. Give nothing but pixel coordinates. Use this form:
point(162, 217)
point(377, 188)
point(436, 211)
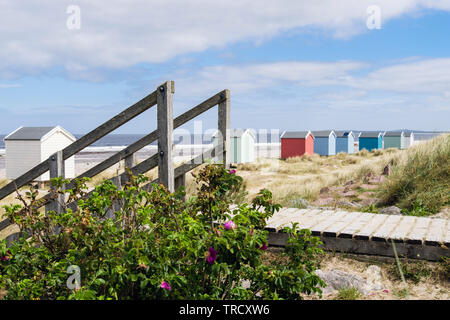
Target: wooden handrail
point(221, 99)
point(82, 143)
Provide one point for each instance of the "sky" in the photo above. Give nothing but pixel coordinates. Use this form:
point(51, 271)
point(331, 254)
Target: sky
point(289, 64)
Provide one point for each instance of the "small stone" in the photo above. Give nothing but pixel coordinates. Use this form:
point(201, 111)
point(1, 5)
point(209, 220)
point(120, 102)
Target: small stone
point(386, 170)
point(324, 190)
point(349, 183)
point(337, 280)
point(374, 277)
point(390, 210)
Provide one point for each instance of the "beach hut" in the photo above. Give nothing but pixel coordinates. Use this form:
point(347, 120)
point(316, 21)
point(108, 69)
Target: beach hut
point(394, 139)
point(325, 142)
point(370, 140)
point(242, 145)
point(409, 139)
point(26, 147)
point(345, 141)
point(296, 143)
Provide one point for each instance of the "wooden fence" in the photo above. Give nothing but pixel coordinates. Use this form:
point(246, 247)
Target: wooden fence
point(171, 177)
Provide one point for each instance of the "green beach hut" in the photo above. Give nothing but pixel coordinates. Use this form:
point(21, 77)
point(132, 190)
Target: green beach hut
point(394, 139)
point(242, 145)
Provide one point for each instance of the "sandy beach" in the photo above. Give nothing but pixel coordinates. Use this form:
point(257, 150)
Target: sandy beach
point(91, 156)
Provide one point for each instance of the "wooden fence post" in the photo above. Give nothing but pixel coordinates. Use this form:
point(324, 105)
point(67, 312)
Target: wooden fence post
point(224, 126)
point(56, 168)
point(130, 161)
point(164, 100)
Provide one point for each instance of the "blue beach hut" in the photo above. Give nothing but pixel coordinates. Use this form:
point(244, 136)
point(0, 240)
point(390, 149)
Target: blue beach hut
point(324, 142)
point(345, 141)
point(370, 140)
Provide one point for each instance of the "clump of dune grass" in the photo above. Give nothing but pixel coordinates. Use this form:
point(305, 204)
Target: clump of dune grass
point(348, 294)
point(421, 175)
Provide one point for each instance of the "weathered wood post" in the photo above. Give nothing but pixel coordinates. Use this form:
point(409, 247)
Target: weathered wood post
point(130, 161)
point(164, 100)
point(224, 126)
point(56, 168)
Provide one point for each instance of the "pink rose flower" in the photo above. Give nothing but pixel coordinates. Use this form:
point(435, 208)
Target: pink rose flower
point(264, 246)
point(165, 285)
point(229, 225)
point(211, 255)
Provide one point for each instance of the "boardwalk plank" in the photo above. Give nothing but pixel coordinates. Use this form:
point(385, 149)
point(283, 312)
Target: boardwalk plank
point(387, 228)
point(289, 216)
point(366, 232)
point(436, 232)
point(312, 218)
point(400, 232)
point(350, 230)
point(345, 219)
point(447, 236)
point(418, 232)
point(319, 227)
point(274, 223)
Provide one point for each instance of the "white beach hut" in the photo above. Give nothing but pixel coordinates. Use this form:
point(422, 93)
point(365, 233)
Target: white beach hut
point(242, 145)
point(409, 139)
point(26, 147)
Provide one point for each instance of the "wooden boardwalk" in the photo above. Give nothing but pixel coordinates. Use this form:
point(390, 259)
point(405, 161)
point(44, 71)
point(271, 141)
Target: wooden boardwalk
point(367, 233)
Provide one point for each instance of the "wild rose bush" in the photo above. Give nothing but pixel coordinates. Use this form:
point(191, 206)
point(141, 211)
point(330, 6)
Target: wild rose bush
point(155, 246)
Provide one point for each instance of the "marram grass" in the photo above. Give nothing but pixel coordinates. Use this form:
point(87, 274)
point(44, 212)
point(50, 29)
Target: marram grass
point(421, 175)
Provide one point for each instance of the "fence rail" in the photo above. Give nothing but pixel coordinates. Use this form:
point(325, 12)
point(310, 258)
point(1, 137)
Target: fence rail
point(168, 175)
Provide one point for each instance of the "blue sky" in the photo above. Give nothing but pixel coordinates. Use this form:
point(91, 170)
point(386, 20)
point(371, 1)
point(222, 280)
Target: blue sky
point(289, 64)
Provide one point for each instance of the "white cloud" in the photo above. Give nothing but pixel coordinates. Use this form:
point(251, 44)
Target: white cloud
point(117, 33)
point(430, 76)
point(244, 78)
point(427, 76)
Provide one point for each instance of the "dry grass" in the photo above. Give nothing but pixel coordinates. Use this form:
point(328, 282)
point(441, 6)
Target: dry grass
point(304, 177)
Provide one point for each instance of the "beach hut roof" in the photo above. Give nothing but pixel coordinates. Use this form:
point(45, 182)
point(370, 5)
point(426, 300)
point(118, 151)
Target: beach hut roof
point(36, 133)
point(237, 133)
point(323, 133)
point(296, 134)
point(394, 134)
point(344, 134)
point(369, 134)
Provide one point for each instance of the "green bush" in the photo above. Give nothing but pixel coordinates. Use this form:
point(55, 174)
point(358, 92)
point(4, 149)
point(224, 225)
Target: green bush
point(154, 245)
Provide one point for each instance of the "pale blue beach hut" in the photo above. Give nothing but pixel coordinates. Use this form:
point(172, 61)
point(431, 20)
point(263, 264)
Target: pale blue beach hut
point(324, 142)
point(345, 141)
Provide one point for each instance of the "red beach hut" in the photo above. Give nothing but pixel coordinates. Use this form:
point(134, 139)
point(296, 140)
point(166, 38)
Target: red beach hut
point(296, 143)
